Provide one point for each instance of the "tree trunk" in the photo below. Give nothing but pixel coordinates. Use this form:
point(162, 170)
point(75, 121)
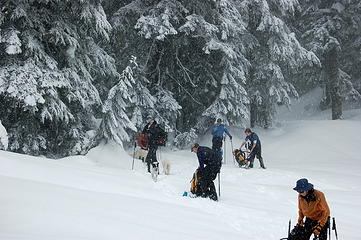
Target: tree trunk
point(253, 114)
point(332, 73)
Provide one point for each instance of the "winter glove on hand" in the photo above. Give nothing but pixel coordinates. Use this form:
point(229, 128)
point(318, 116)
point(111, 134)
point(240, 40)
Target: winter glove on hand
point(301, 223)
point(230, 137)
point(317, 229)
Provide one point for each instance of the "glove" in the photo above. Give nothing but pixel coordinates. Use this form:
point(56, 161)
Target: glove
point(317, 229)
point(230, 137)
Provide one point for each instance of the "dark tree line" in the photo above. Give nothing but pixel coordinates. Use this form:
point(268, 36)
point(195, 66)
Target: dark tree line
point(75, 72)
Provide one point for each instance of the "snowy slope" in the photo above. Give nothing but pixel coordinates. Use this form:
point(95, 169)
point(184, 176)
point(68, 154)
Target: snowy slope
point(98, 197)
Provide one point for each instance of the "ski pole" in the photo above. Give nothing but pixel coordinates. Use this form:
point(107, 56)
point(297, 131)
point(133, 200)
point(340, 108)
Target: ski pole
point(135, 145)
point(289, 229)
point(219, 183)
point(334, 227)
point(234, 159)
point(329, 227)
point(224, 152)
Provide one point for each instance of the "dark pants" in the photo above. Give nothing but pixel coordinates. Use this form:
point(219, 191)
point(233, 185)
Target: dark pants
point(217, 143)
point(152, 156)
point(305, 232)
point(256, 153)
point(206, 184)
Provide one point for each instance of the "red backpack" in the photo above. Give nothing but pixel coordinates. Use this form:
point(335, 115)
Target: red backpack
point(143, 141)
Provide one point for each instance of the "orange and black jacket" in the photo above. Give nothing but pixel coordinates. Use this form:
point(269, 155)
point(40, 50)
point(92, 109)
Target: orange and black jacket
point(314, 207)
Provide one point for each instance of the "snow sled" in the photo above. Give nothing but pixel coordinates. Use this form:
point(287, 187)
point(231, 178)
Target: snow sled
point(240, 157)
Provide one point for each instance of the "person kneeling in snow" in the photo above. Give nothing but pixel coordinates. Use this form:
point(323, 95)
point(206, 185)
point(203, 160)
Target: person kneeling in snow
point(312, 205)
point(210, 163)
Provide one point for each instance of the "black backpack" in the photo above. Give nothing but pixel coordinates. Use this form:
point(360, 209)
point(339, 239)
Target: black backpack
point(162, 137)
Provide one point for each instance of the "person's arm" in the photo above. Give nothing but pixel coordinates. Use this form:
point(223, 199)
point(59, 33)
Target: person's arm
point(201, 161)
point(300, 214)
point(325, 210)
point(253, 146)
point(229, 135)
point(242, 145)
point(254, 142)
point(214, 129)
point(145, 129)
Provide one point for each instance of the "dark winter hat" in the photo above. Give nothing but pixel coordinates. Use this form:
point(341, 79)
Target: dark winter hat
point(248, 130)
point(219, 120)
point(303, 185)
point(194, 146)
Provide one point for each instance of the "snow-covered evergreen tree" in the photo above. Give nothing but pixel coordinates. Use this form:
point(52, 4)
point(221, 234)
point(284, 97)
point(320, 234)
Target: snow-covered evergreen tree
point(275, 53)
point(115, 121)
point(49, 57)
point(231, 105)
point(193, 49)
point(167, 107)
point(327, 31)
point(185, 139)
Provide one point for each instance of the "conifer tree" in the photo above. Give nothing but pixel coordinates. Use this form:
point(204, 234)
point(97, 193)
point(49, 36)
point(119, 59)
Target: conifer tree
point(275, 52)
point(326, 31)
point(115, 121)
point(49, 57)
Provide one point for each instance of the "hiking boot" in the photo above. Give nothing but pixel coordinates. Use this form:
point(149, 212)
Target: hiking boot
point(213, 196)
point(261, 163)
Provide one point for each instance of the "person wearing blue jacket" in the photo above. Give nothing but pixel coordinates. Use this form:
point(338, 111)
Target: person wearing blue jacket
point(218, 132)
point(210, 163)
point(254, 147)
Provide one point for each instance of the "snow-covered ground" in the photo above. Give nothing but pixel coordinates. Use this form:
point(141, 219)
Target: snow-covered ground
point(98, 196)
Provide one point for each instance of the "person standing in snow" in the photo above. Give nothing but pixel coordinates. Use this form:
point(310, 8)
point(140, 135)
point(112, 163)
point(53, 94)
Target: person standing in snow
point(218, 132)
point(210, 163)
point(153, 131)
point(254, 147)
point(313, 206)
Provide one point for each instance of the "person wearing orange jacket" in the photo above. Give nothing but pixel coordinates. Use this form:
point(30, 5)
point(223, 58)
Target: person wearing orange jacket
point(313, 213)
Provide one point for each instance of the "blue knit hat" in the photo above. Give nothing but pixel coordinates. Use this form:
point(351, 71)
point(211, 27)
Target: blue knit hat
point(303, 185)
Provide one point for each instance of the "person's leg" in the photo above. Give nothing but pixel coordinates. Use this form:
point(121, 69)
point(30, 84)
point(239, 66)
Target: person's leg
point(151, 156)
point(260, 159)
point(217, 143)
point(323, 233)
point(301, 232)
point(212, 192)
point(205, 181)
point(148, 159)
point(309, 225)
point(155, 163)
point(251, 160)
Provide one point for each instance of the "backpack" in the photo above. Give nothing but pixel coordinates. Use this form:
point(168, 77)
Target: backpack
point(162, 137)
point(240, 157)
point(194, 186)
point(143, 141)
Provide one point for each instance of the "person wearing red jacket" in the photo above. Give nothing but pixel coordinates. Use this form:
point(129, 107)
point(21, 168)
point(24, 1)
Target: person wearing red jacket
point(313, 213)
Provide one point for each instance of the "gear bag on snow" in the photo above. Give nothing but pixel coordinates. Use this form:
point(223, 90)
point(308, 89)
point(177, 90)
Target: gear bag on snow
point(240, 157)
point(143, 141)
